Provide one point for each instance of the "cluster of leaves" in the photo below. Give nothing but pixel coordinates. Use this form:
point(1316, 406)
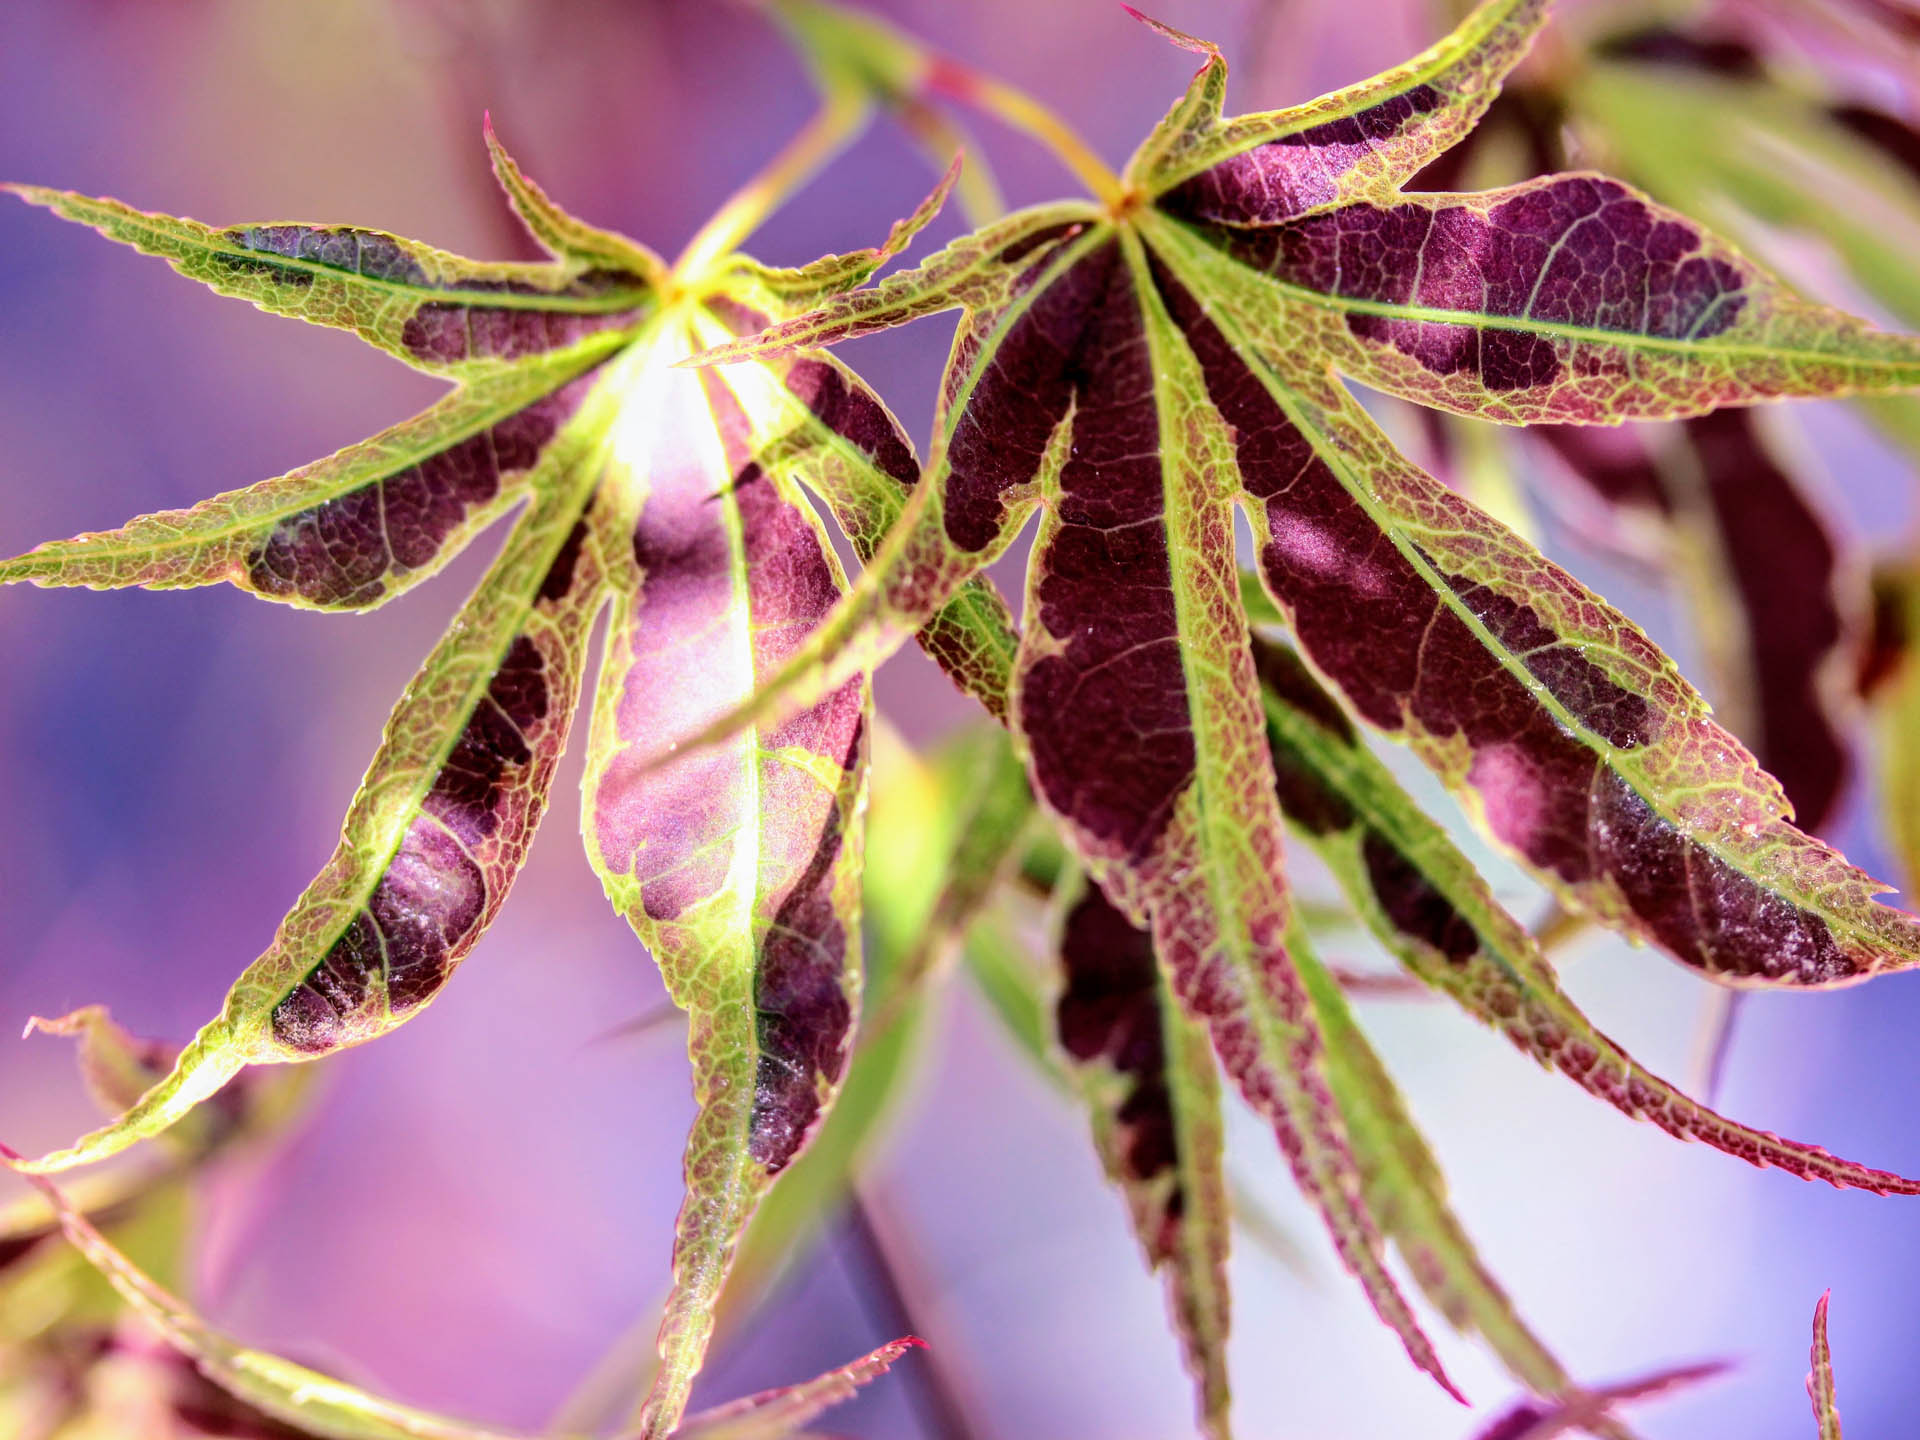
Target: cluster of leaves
point(1135, 368)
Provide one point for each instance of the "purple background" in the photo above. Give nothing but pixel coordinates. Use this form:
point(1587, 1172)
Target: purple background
point(485, 1198)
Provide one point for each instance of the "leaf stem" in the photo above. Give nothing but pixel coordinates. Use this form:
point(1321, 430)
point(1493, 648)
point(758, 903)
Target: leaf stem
point(1021, 111)
point(839, 118)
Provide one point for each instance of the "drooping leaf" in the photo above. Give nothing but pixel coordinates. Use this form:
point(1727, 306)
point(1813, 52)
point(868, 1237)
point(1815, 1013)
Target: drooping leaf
point(1428, 906)
point(1826, 1407)
point(1134, 369)
point(1583, 749)
point(1153, 1088)
point(672, 493)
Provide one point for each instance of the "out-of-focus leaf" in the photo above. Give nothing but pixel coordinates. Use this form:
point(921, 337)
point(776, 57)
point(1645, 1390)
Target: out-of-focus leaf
point(1589, 1410)
point(1897, 715)
point(1428, 906)
point(1407, 1196)
point(1152, 1086)
point(1826, 1407)
point(773, 1414)
point(674, 493)
point(317, 1405)
point(1776, 608)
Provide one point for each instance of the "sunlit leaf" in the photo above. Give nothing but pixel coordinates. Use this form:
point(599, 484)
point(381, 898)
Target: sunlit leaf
point(435, 835)
point(1134, 369)
point(438, 312)
point(674, 496)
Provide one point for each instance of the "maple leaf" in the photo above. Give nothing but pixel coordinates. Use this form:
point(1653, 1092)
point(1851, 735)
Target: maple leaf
point(671, 498)
point(1135, 367)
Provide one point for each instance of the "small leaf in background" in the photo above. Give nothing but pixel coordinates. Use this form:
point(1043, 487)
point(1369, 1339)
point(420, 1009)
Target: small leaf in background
point(1826, 1407)
point(1589, 1410)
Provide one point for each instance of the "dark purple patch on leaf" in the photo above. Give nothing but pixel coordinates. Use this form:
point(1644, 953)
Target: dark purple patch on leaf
point(347, 551)
point(857, 415)
point(1282, 671)
point(1377, 627)
point(1284, 177)
point(1022, 395)
point(447, 332)
point(1105, 710)
point(1412, 903)
point(1110, 1011)
point(1576, 251)
point(804, 1016)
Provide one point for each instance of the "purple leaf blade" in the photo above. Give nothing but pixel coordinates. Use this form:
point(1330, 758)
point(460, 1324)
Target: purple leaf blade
point(738, 865)
point(1361, 142)
point(436, 832)
point(1570, 298)
point(1426, 903)
point(1135, 638)
point(354, 530)
point(436, 311)
point(1152, 1087)
point(1581, 747)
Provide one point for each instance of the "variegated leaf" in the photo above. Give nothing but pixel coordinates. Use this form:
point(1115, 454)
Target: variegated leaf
point(1428, 905)
point(435, 835)
point(1134, 369)
point(437, 312)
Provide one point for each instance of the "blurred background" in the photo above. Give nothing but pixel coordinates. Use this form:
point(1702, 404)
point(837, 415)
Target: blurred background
point(482, 1202)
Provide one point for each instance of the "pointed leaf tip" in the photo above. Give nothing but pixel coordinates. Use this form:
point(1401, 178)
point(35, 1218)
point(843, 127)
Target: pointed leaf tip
point(1175, 37)
point(1820, 1387)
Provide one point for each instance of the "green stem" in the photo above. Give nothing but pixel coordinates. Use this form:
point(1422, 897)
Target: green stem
point(833, 125)
point(1023, 112)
